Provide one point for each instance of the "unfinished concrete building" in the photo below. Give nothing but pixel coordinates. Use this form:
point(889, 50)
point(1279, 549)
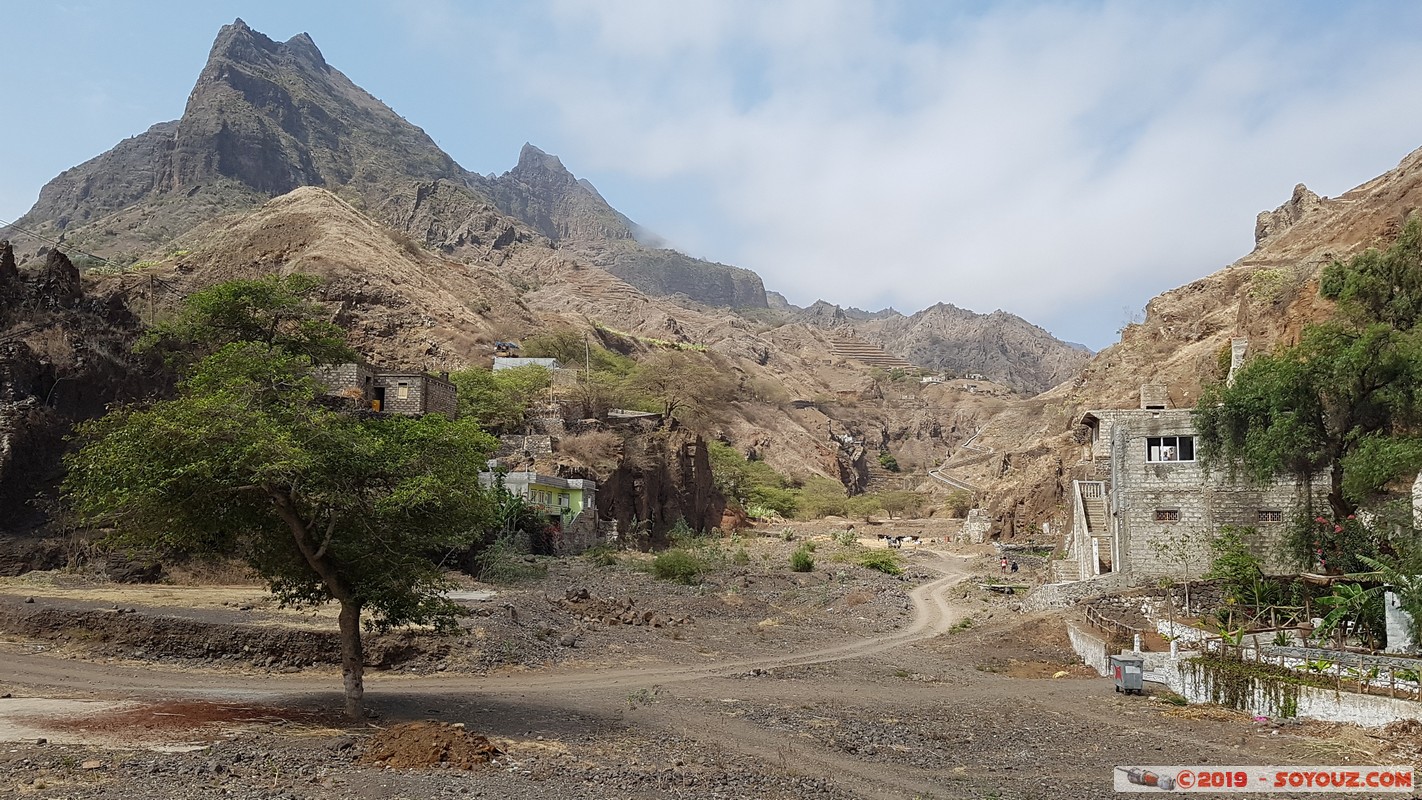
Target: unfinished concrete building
point(1145, 507)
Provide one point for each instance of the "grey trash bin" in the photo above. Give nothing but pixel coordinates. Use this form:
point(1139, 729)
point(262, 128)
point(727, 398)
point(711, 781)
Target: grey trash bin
point(1127, 671)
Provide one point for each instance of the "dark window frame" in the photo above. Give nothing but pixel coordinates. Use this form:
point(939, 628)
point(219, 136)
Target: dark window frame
point(1181, 449)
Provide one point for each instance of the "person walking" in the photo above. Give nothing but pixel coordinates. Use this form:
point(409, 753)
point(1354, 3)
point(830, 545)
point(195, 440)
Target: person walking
point(1004, 565)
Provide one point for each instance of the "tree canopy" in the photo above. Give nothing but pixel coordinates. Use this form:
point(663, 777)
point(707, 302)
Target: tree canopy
point(1345, 401)
point(500, 400)
point(248, 460)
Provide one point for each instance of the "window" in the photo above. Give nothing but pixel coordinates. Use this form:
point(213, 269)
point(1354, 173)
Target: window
point(1270, 515)
point(563, 500)
point(402, 391)
point(1170, 448)
point(1167, 515)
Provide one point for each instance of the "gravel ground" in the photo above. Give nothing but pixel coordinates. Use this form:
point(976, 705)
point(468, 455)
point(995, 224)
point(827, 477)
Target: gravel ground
point(973, 712)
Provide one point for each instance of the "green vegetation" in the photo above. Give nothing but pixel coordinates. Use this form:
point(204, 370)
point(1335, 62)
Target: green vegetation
point(499, 400)
point(684, 385)
point(902, 503)
point(802, 560)
point(959, 502)
point(576, 351)
point(503, 562)
point(883, 561)
point(248, 460)
point(1346, 401)
point(821, 497)
point(753, 485)
point(679, 566)
point(888, 462)
point(1235, 683)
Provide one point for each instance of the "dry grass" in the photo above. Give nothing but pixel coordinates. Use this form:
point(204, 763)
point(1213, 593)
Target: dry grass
point(214, 571)
point(596, 449)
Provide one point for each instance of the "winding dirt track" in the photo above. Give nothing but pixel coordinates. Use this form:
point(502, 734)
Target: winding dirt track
point(933, 614)
point(560, 694)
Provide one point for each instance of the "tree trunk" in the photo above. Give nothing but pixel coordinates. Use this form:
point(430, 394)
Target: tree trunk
point(352, 660)
point(1337, 503)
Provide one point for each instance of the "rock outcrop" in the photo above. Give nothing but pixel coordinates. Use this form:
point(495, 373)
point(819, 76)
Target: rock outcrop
point(1272, 223)
point(541, 192)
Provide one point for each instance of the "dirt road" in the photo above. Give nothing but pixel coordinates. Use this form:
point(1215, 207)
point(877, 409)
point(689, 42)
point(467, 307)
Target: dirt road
point(925, 709)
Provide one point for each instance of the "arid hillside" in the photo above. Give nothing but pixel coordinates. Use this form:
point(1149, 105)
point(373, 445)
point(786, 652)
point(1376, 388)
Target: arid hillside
point(1267, 296)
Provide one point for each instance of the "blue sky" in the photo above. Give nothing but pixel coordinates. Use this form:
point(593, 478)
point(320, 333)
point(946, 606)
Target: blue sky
point(1062, 161)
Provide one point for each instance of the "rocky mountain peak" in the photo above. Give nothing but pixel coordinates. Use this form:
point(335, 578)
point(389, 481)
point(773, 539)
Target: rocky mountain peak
point(303, 47)
point(1270, 224)
point(534, 162)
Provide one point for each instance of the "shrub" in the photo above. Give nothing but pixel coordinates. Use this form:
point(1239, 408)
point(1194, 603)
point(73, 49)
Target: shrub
point(740, 558)
point(846, 537)
point(959, 502)
point(503, 561)
point(888, 462)
point(677, 565)
point(883, 561)
point(802, 561)
point(596, 449)
point(821, 497)
point(602, 556)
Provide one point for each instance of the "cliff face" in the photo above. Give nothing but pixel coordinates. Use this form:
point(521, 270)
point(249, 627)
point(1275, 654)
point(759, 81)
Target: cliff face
point(1268, 296)
point(570, 212)
point(267, 117)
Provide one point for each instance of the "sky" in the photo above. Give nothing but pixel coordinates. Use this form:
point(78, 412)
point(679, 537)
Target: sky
point(1063, 161)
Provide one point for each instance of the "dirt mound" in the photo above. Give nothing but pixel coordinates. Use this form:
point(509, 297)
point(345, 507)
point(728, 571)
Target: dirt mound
point(428, 744)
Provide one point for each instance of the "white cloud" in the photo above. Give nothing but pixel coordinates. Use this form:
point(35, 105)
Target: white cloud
point(1058, 161)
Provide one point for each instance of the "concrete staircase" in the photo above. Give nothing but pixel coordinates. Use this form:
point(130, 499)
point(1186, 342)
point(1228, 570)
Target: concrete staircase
point(1098, 522)
point(871, 354)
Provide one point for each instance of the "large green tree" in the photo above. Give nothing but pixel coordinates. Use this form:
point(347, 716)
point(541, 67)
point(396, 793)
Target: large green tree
point(500, 400)
point(248, 460)
point(1346, 401)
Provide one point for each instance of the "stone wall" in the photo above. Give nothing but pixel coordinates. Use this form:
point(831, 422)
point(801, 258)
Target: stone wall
point(1062, 595)
point(1091, 647)
point(404, 392)
point(441, 397)
point(350, 380)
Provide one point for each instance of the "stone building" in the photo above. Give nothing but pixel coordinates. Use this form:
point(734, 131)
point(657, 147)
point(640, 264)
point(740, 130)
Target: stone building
point(1145, 507)
point(392, 391)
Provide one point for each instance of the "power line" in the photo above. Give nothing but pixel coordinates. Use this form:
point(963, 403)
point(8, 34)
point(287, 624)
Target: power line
point(12, 226)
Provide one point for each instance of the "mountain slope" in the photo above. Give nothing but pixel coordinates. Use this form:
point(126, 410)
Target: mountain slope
point(1002, 347)
point(266, 117)
point(570, 212)
point(1267, 297)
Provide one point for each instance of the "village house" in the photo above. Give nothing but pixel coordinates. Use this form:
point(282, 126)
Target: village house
point(410, 392)
point(568, 504)
point(513, 362)
point(1145, 507)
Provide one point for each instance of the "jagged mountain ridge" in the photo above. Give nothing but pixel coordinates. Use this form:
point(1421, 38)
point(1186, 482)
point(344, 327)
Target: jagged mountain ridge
point(266, 117)
point(1000, 346)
